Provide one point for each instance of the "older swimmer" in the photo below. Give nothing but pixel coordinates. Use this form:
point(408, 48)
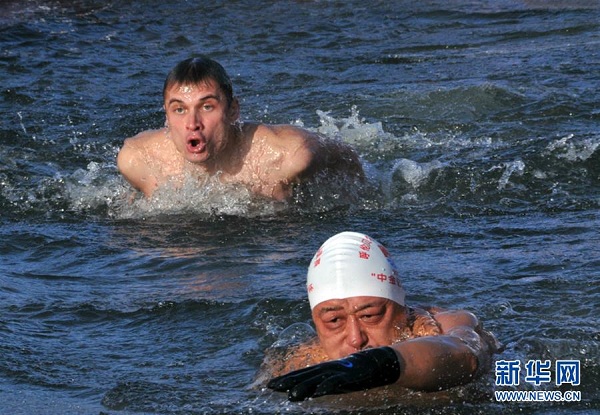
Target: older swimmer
point(368, 337)
point(203, 137)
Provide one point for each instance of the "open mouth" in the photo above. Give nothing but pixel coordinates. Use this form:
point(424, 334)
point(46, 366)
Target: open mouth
point(195, 145)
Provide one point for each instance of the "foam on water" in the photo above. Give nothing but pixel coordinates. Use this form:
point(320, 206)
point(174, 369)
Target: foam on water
point(571, 149)
point(401, 170)
point(205, 199)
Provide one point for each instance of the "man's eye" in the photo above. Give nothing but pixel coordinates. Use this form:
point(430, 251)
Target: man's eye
point(178, 110)
point(334, 322)
point(371, 317)
point(207, 107)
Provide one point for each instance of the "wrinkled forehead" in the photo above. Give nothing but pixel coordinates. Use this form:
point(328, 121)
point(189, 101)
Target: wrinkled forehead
point(351, 304)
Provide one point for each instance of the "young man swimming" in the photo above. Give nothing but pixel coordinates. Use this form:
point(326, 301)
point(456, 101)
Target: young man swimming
point(203, 137)
point(367, 336)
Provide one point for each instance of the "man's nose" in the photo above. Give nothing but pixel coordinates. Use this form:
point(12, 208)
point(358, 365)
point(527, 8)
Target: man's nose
point(355, 336)
point(193, 121)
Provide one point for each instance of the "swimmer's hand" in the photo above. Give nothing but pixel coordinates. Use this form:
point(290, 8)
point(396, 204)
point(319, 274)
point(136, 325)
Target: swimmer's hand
point(359, 371)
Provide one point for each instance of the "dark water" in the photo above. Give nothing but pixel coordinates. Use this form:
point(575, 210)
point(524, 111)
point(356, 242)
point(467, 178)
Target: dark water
point(477, 123)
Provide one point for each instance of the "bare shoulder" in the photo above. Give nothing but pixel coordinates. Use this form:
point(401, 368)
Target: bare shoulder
point(310, 152)
point(282, 131)
point(444, 319)
point(290, 148)
point(149, 143)
point(133, 159)
point(285, 137)
point(456, 318)
point(144, 138)
point(467, 327)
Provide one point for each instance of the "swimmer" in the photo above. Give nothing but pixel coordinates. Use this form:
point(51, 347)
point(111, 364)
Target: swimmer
point(203, 137)
point(368, 337)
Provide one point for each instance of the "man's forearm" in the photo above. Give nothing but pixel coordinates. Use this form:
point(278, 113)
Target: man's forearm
point(435, 363)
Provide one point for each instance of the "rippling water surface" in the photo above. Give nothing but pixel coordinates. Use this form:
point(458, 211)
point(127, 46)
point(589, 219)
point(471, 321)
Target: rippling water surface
point(477, 123)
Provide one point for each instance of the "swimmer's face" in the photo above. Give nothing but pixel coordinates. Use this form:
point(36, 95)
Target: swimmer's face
point(348, 325)
point(199, 119)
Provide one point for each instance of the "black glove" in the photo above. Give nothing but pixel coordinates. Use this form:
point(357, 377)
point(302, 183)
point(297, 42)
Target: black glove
point(359, 371)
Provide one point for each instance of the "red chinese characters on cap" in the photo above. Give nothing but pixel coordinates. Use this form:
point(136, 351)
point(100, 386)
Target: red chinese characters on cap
point(391, 279)
point(364, 248)
point(318, 257)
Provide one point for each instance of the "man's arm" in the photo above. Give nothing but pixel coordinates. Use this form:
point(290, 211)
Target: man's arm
point(299, 155)
point(311, 154)
point(132, 166)
point(332, 156)
point(438, 362)
point(426, 363)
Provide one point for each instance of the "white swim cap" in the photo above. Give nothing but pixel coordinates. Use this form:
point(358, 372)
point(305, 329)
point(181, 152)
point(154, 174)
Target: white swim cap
point(352, 264)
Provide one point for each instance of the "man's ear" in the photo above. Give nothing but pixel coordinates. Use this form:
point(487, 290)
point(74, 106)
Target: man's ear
point(234, 110)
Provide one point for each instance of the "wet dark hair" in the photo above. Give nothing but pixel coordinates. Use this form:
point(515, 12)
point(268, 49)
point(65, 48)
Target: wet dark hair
point(193, 71)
